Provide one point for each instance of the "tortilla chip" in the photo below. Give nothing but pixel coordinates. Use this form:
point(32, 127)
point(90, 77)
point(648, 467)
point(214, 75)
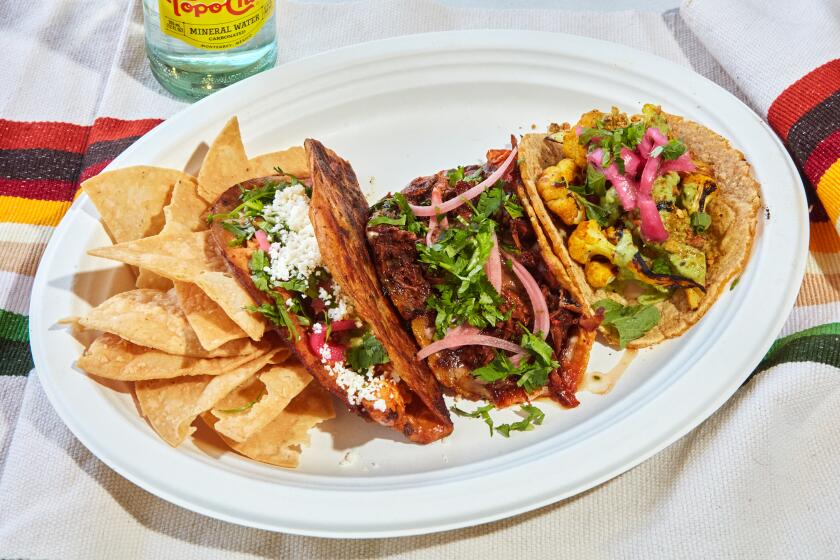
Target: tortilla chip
point(112, 357)
point(131, 200)
point(190, 257)
point(154, 319)
point(292, 161)
point(182, 256)
point(234, 300)
point(280, 441)
point(171, 405)
point(211, 325)
point(150, 280)
point(281, 384)
point(185, 212)
point(225, 165)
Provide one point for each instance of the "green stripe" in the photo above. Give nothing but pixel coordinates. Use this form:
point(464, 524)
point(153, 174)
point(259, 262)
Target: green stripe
point(13, 326)
point(15, 358)
point(820, 348)
point(829, 328)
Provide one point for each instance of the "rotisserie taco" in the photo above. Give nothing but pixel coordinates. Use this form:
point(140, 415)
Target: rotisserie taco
point(476, 281)
point(651, 215)
point(298, 246)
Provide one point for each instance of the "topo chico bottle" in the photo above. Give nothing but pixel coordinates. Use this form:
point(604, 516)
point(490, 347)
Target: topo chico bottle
point(196, 47)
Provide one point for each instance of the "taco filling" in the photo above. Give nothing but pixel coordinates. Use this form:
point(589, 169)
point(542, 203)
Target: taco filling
point(461, 261)
point(265, 231)
point(635, 204)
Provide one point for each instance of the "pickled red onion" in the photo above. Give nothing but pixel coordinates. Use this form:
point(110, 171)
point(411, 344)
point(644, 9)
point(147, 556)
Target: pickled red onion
point(632, 161)
point(493, 266)
point(262, 240)
point(682, 163)
point(538, 303)
point(436, 220)
point(653, 138)
point(342, 325)
point(652, 227)
point(649, 174)
point(319, 346)
point(455, 340)
point(625, 187)
point(453, 203)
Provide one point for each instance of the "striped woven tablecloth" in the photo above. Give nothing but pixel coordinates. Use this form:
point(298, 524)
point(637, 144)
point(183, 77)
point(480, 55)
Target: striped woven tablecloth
point(757, 479)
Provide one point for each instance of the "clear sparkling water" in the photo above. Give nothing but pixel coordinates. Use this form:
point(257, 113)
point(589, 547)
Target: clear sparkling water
point(193, 73)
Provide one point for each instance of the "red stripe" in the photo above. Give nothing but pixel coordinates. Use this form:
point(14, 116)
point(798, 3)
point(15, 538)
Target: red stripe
point(40, 189)
point(93, 170)
point(823, 157)
point(66, 137)
point(116, 129)
point(803, 95)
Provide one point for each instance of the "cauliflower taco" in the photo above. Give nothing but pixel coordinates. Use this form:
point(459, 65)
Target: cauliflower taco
point(474, 277)
point(650, 214)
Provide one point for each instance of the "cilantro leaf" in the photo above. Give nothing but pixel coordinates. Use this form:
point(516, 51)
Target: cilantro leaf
point(464, 293)
point(531, 374)
point(295, 285)
point(412, 224)
point(455, 175)
point(258, 263)
point(277, 314)
point(630, 322)
point(594, 211)
point(596, 183)
point(387, 220)
point(499, 368)
point(533, 417)
point(369, 352)
point(489, 202)
point(513, 209)
point(482, 412)
point(673, 149)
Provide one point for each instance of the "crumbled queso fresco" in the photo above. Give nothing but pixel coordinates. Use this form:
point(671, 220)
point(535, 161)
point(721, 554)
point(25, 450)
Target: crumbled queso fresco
point(359, 387)
point(295, 253)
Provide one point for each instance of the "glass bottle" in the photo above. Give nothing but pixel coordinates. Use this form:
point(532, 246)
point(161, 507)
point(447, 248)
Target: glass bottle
point(196, 47)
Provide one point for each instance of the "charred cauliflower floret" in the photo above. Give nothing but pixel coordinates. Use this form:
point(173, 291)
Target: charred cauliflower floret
point(589, 240)
point(552, 186)
point(572, 147)
point(599, 274)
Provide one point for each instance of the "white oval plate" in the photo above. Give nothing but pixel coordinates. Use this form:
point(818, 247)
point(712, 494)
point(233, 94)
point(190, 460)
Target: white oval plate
point(398, 109)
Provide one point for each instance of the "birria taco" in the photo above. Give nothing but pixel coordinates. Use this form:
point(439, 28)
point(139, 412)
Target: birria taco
point(477, 283)
point(650, 214)
point(298, 246)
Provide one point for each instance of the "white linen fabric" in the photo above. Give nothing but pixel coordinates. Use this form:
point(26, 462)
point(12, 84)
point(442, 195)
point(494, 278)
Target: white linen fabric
point(757, 480)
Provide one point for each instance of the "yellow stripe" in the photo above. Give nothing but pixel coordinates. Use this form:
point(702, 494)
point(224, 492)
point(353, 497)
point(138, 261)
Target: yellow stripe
point(828, 189)
point(824, 238)
point(35, 212)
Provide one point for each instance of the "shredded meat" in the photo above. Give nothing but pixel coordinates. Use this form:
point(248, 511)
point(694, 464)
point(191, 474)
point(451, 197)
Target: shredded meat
point(402, 278)
point(409, 285)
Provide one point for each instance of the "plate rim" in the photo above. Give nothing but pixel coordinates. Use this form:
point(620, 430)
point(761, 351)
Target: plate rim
point(427, 42)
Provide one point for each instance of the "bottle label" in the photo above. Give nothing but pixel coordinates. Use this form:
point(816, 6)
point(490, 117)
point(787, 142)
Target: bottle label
point(214, 24)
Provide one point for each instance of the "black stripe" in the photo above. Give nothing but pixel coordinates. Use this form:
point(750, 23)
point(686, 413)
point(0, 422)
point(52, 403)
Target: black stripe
point(821, 348)
point(813, 127)
point(40, 164)
point(106, 151)
point(15, 358)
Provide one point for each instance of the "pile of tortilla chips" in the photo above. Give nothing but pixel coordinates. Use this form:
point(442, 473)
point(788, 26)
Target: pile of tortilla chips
point(183, 337)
